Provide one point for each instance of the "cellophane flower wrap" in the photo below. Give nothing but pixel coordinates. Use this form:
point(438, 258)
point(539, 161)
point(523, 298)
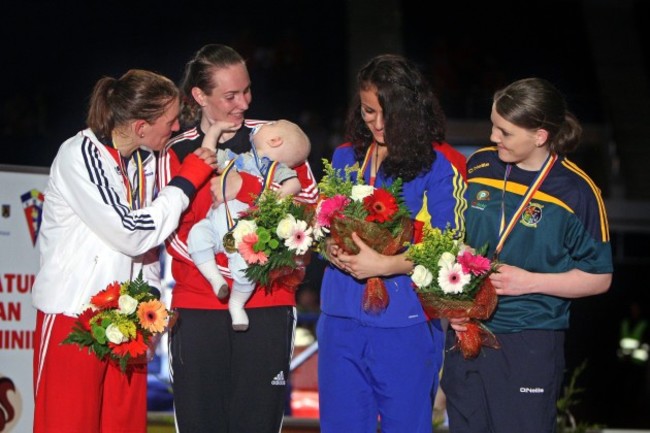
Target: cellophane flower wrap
point(451, 281)
point(377, 215)
point(275, 239)
point(122, 323)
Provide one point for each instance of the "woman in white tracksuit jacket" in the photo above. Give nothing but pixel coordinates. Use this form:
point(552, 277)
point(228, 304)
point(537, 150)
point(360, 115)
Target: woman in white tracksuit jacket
point(103, 222)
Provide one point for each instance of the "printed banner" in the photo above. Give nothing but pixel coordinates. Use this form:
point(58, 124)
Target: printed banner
point(21, 201)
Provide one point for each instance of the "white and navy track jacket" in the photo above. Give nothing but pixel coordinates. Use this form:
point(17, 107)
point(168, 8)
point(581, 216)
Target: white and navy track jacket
point(89, 235)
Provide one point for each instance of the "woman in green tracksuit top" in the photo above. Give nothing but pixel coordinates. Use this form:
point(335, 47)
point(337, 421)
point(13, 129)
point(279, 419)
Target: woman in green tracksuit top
point(545, 220)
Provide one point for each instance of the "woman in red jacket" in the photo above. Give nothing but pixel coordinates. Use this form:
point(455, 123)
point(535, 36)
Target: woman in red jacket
point(224, 381)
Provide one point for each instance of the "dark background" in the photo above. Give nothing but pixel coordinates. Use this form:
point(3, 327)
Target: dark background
point(301, 55)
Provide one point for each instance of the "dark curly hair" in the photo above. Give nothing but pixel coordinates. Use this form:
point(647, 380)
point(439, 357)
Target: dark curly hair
point(413, 118)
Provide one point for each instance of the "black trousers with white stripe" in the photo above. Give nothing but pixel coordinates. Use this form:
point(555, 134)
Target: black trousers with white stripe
point(231, 382)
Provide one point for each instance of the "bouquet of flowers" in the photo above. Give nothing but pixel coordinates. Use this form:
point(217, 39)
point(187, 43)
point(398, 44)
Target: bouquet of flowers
point(275, 238)
point(451, 280)
point(122, 323)
point(377, 215)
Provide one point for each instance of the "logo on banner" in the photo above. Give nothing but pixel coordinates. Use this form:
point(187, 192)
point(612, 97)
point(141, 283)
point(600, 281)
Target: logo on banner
point(6, 211)
point(10, 404)
point(33, 207)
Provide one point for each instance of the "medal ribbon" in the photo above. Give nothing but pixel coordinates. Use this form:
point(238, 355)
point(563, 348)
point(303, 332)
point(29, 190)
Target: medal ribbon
point(230, 221)
point(367, 160)
point(506, 229)
point(134, 194)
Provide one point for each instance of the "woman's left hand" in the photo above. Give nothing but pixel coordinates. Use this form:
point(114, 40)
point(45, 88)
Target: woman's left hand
point(365, 264)
point(511, 280)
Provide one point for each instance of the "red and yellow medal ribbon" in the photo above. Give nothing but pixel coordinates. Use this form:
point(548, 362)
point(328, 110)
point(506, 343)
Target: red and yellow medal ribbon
point(367, 160)
point(506, 229)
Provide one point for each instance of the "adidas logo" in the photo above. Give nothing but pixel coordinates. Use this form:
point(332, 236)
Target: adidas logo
point(279, 379)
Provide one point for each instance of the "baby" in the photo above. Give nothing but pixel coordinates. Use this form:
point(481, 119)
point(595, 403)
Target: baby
point(280, 141)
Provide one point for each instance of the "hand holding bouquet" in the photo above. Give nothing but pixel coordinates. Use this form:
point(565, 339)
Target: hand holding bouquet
point(451, 280)
point(275, 238)
point(377, 215)
point(122, 323)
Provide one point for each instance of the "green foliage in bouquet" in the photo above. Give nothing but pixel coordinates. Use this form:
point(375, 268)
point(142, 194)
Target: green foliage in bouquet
point(338, 182)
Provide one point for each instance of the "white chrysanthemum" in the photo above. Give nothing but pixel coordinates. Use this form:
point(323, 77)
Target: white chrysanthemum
point(446, 259)
point(284, 226)
point(300, 238)
point(452, 279)
point(421, 276)
point(359, 192)
point(243, 228)
point(114, 334)
point(127, 304)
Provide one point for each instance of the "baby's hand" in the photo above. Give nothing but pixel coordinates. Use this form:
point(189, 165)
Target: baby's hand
point(216, 130)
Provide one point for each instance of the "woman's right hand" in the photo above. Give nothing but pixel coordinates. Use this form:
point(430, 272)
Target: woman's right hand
point(233, 184)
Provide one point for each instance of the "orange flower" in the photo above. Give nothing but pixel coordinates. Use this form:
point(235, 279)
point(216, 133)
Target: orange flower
point(135, 347)
point(107, 298)
point(381, 206)
point(152, 315)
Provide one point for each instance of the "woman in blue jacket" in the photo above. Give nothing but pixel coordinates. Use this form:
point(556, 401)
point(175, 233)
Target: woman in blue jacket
point(385, 366)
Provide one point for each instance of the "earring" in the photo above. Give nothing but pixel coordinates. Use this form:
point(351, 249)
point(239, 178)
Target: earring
point(142, 135)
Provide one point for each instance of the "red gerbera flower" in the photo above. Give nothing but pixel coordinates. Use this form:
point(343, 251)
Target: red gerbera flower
point(107, 298)
point(84, 318)
point(381, 206)
point(135, 347)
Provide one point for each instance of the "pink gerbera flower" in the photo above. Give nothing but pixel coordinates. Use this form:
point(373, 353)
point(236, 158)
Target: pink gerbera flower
point(477, 265)
point(330, 209)
point(452, 279)
point(299, 238)
point(248, 252)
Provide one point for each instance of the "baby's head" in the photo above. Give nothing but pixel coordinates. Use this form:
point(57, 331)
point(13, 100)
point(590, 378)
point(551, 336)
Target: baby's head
point(282, 141)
